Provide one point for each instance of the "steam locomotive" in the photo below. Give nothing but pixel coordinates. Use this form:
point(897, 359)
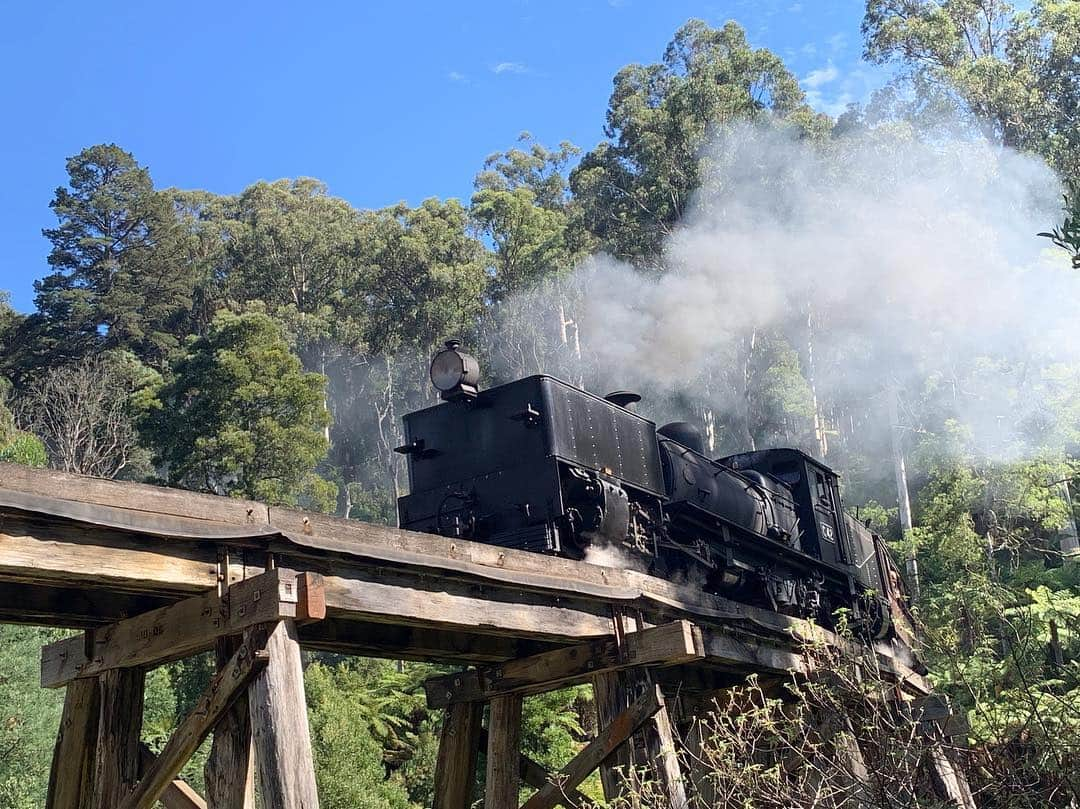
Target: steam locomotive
point(544, 466)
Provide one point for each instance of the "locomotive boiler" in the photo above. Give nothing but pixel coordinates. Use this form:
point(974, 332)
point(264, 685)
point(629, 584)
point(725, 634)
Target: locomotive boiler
point(544, 466)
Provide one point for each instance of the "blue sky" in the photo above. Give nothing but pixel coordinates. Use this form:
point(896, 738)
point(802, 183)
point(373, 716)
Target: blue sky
point(382, 101)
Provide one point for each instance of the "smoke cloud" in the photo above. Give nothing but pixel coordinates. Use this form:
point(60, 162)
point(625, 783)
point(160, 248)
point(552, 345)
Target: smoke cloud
point(881, 257)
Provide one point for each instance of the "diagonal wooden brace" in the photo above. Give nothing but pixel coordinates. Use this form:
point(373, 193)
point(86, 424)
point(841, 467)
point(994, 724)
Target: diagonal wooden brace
point(184, 628)
point(177, 794)
point(665, 645)
point(534, 774)
point(250, 659)
point(591, 756)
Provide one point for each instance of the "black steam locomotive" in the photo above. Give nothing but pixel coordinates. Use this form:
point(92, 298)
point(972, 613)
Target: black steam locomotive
point(541, 465)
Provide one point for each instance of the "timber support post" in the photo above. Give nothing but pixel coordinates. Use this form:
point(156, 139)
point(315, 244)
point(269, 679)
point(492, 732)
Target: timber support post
point(256, 696)
point(633, 709)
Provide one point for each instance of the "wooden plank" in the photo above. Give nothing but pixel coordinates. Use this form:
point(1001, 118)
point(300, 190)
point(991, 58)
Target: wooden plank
point(666, 645)
point(178, 794)
point(746, 653)
point(455, 765)
point(136, 497)
point(503, 753)
point(119, 729)
point(36, 551)
point(250, 659)
point(381, 543)
point(229, 773)
point(440, 603)
point(71, 781)
point(605, 743)
point(279, 726)
point(176, 631)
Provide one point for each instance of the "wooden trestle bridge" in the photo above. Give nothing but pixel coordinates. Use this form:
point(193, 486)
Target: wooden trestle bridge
point(153, 575)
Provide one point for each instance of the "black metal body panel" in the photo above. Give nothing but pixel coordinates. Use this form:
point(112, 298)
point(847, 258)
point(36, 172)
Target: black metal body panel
point(816, 491)
point(751, 502)
point(589, 431)
point(525, 422)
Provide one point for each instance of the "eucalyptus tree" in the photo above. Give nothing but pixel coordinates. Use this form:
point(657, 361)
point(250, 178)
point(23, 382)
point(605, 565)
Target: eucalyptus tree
point(1016, 70)
point(636, 185)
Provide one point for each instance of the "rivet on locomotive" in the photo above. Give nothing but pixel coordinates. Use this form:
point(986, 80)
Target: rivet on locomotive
point(541, 465)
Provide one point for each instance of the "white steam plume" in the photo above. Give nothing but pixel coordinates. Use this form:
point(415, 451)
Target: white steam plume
point(911, 256)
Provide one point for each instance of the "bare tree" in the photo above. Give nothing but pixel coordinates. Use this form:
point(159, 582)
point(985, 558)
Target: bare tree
point(81, 412)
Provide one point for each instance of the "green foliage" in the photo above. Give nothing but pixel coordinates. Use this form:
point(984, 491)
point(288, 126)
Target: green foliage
point(1012, 69)
point(17, 446)
point(241, 417)
point(28, 717)
point(1067, 236)
point(635, 186)
point(529, 240)
point(428, 275)
point(115, 279)
point(366, 719)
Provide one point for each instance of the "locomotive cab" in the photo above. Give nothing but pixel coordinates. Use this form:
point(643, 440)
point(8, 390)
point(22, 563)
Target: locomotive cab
point(815, 490)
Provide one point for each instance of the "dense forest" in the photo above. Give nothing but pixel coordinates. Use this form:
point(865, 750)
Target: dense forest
point(900, 282)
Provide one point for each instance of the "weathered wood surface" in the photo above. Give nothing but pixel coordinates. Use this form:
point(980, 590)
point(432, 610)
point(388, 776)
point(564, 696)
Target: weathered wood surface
point(71, 781)
point(40, 604)
point(229, 773)
point(151, 501)
point(119, 758)
point(537, 777)
point(181, 629)
point(110, 539)
point(503, 766)
point(248, 661)
point(178, 794)
point(449, 604)
point(667, 645)
point(455, 765)
point(621, 728)
point(609, 698)
point(279, 725)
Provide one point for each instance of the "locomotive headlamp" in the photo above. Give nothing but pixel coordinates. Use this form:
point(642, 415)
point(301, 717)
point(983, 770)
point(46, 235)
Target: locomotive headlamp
point(455, 373)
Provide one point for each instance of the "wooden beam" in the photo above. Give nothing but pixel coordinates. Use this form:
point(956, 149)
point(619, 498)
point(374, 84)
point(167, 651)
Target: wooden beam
point(666, 645)
point(229, 773)
point(279, 726)
point(71, 781)
point(178, 794)
point(605, 743)
point(455, 766)
point(444, 603)
point(664, 758)
point(747, 653)
point(250, 659)
point(503, 753)
point(178, 630)
point(119, 732)
point(141, 500)
point(34, 550)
